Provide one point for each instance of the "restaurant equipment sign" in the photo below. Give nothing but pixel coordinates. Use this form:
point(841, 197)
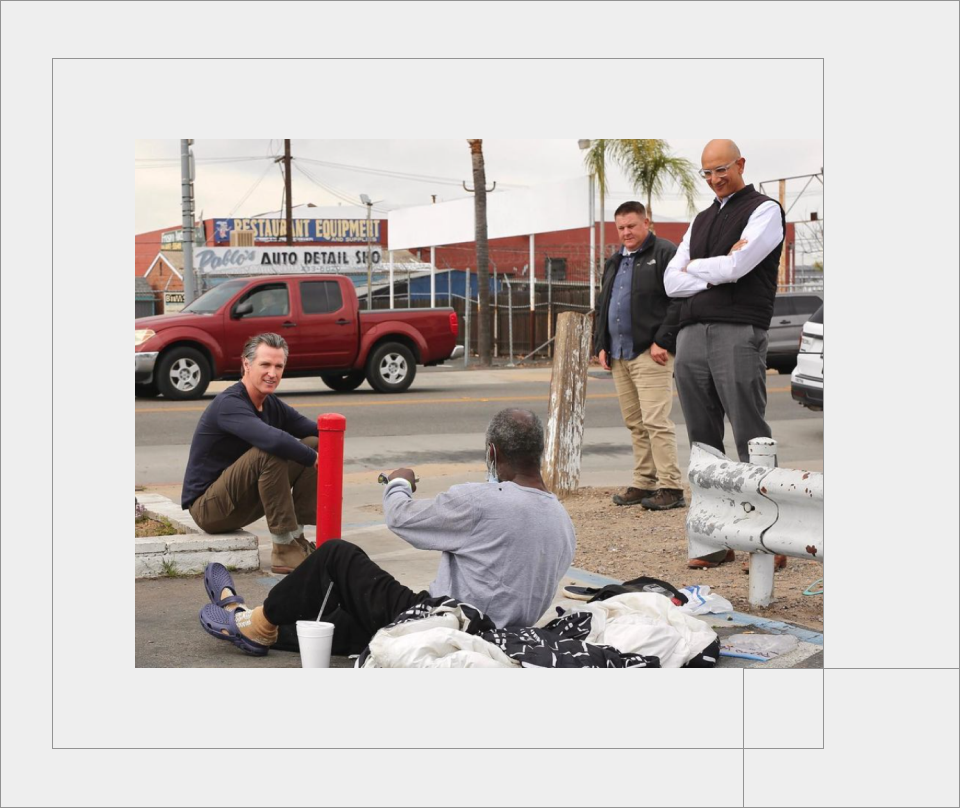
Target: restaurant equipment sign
point(319, 230)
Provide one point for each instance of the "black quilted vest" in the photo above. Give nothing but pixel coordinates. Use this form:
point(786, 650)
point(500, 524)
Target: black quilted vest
point(750, 299)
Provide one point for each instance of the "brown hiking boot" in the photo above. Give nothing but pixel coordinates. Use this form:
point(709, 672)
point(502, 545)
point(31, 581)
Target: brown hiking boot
point(286, 557)
point(301, 541)
point(632, 496)
point(665, 499)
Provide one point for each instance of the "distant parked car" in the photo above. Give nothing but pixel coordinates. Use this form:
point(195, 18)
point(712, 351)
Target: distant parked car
point(790, 311)
point(806, 381)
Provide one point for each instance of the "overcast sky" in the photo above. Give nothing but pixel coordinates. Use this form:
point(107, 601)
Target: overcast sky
point(246, 186)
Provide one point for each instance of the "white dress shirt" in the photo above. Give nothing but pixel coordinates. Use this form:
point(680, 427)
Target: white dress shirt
point(764, 231)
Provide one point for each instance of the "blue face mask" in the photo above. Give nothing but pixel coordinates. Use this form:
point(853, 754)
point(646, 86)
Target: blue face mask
point(492, 464)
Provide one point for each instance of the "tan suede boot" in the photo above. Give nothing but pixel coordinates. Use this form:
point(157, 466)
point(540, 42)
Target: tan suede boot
point(286, 557)
point(308, 546)
point(254, 626)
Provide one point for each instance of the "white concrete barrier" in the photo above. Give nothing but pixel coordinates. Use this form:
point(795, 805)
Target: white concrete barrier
point(753, 508)
point(189, 553)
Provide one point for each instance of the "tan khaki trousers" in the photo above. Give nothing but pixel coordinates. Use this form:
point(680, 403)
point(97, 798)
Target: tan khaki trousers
point(645, 390)
point(256, 484)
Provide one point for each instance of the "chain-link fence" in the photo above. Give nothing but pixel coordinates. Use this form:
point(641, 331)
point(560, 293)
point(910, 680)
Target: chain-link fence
point(522, 324)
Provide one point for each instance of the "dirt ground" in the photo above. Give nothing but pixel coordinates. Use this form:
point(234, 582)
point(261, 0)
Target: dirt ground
point(627, 542)
point(152, 527)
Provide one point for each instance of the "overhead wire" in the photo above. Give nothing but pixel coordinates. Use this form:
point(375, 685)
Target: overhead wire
point(397, 174)
point(334, 191)
point(253, 188)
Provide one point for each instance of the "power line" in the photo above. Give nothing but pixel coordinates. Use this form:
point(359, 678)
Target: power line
point(396, 174)
point(210, 161)
point(253, 188)
point(342, 195)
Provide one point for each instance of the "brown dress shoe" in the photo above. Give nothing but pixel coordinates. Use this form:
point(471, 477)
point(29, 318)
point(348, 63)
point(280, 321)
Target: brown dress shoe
point(285, 558)
point(779, 562)
point(665, 499)
point(632, 496)
point(703, 564)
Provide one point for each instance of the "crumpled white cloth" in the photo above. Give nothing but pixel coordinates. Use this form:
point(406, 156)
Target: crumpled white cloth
point(434, 642)
point(649, 624)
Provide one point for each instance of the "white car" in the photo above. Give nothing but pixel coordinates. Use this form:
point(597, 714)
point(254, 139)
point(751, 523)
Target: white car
point(806, 381)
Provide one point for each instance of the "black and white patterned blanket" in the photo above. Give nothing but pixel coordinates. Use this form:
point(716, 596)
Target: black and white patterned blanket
point(559, 644)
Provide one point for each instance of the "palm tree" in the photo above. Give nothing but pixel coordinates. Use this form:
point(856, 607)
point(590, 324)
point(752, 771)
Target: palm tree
point(648, 164)
point(651, 166)
point(484, 336)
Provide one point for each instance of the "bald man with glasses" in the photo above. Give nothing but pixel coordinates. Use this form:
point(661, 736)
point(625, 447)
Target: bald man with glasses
point(725, 274)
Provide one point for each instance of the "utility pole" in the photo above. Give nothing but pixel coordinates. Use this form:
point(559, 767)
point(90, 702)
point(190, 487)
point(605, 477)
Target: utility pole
point(783, 276)
point(480, 191)
point(367, 201)
point(288, 186)
point(186, 200)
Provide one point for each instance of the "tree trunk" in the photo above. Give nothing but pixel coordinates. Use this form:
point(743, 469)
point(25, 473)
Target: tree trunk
point(563, 438)
point(653, 227)
point(603, 227)
point(484, 340)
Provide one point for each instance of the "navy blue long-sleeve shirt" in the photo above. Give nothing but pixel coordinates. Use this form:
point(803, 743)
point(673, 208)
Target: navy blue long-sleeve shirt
point(231, 425)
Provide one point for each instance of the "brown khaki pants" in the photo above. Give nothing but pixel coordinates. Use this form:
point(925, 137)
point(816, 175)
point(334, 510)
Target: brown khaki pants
point(645, 390)
point(257, 484)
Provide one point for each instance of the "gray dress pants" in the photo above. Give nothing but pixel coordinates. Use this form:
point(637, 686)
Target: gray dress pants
point(721, 368)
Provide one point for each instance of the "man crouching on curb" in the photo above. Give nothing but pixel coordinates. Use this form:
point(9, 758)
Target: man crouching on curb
point(505, 545)
point(252, 454)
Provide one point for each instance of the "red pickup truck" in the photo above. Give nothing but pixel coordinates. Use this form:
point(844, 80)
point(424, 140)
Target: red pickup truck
point(179, 354)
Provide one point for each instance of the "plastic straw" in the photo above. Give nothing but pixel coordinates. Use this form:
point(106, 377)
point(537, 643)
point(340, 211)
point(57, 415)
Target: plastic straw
point(325, 599)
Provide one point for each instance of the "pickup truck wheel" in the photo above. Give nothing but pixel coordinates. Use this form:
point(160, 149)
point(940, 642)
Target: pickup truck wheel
point(344, 382)
point(183, 374)
point(391, 368)
point(147, 390)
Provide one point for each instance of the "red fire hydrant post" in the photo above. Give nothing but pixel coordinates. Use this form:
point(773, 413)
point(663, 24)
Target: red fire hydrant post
point(330, 476)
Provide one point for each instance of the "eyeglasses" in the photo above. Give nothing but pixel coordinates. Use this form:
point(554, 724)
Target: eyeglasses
point(719, 171)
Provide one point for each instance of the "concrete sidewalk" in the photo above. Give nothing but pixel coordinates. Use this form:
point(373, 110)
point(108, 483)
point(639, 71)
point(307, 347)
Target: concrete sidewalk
point(168, 633)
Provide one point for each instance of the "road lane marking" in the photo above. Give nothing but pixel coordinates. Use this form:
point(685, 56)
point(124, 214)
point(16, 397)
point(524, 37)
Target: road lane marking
point(411, 402)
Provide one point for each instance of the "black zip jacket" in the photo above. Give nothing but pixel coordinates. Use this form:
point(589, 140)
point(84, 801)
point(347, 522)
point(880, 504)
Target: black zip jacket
point(654, 316)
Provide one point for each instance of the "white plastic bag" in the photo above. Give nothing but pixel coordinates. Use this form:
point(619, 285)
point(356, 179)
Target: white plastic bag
point(700, 600)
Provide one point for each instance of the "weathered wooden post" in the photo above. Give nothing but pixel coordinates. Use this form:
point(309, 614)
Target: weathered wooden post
point(568, 398)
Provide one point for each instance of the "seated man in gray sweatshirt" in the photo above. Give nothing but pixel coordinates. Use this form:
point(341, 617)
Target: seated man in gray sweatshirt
point(505, 545)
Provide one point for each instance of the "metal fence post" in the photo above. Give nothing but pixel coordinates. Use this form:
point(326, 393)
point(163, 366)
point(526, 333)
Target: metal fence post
point(510, 319)
point(763, 452)
point(549, 305)
point(466, 318)
point(496, 313)
point(391, 279)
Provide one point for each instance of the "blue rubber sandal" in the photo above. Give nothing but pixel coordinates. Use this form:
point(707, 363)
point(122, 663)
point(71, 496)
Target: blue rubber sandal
point(222, 624)
point(216, 578)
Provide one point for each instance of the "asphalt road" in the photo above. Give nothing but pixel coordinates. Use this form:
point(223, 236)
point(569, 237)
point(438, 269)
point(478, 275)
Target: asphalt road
point(441, 420)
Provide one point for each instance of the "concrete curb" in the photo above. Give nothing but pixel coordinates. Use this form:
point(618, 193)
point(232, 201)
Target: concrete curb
point(190, 552)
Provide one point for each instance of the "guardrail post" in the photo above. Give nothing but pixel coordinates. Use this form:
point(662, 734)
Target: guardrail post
point(330, 476)
point(763, 452)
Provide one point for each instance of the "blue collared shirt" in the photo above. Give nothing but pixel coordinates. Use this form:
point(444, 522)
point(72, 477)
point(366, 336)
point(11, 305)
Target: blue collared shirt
point(619, 322)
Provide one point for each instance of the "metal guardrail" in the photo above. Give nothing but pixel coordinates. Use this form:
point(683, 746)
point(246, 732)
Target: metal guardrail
point(755, 508)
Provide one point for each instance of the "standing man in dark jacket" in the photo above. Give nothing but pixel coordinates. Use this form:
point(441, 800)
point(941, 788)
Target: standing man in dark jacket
point(725, 274)
point(635, 338)
point(253, 455)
